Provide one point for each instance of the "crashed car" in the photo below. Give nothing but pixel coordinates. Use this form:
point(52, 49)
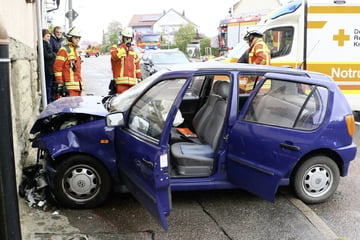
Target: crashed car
point(199, 127)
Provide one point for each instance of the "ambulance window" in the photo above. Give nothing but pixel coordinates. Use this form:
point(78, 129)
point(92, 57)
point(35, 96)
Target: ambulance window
point(279, 40)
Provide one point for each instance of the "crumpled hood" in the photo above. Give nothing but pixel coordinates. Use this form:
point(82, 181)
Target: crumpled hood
point(91, 105)
point(87, 105)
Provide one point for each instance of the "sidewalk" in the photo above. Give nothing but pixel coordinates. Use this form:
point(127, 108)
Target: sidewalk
point(37, 224)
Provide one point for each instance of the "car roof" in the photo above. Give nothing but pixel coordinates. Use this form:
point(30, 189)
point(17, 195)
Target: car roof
point(150, 51)
point(222, 66)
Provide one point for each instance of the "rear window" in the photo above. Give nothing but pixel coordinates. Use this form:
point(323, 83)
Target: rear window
point(288, 104)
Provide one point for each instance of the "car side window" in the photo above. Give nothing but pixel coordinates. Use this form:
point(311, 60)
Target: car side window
point(150, 112)
point(279, 40)
point(195, 87)
point(247, 83)
point(288, 104)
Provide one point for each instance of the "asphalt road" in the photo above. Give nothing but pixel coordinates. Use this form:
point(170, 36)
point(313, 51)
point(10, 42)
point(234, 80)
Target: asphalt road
point(219, 214)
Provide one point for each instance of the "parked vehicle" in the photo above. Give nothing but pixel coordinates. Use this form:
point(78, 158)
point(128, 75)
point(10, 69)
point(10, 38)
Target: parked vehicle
point(232, 29)
point(92, 50)
point(153, 61)
point(316, 35)
point(147, 41)
point(190, 127)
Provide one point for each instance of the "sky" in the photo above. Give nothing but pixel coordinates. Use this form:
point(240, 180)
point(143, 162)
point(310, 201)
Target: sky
point(95, 16)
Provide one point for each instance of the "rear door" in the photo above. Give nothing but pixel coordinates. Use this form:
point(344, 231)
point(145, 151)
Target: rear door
point(142, 147)
point(281, 123)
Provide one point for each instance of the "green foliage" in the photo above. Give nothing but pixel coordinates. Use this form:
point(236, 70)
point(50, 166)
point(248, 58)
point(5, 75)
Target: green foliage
point(51, 28)
point(114, 27)
point(111, 37)
point(184, 36)
point(104, 48)
point(168, 46)
point(205, 44)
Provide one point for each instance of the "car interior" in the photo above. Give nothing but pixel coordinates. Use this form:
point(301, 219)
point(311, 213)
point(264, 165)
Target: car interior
point(195, 156)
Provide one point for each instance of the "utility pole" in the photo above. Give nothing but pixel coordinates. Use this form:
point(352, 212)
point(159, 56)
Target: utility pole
point(71, 14)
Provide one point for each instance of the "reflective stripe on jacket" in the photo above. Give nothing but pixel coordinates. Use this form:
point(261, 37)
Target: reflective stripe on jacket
point(67, 67)
point(259, 52)
point(125, 65)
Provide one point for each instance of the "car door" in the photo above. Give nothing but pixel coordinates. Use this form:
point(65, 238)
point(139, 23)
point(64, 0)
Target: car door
point(142, 147)
point(280, 124)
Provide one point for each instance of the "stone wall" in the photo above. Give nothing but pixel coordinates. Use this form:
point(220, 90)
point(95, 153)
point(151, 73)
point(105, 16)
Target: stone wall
point(25, 100)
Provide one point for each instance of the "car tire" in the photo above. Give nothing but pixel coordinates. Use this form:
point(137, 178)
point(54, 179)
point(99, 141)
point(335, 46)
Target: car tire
point(81, 182)
point(316, 179)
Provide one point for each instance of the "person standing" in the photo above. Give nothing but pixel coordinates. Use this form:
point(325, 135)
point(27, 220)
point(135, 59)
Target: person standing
point(56, 40)
point(125, 63)
point(49, 58)
point(67, 66)
point(258, 52)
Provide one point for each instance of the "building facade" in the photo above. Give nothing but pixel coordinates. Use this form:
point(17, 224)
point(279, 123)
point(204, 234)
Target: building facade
point(20, 21)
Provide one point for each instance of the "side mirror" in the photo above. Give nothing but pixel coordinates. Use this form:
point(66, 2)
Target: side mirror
point(115, 119)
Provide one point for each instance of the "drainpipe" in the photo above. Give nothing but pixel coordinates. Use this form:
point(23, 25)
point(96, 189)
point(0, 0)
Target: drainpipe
point(41, 53)
point(9, 209)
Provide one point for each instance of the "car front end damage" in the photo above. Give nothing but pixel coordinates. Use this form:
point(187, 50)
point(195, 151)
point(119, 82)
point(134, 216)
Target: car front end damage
point(74, 127)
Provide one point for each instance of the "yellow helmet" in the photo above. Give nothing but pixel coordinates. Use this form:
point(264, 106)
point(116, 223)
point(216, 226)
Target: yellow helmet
point(127, 32)
point(73, 32)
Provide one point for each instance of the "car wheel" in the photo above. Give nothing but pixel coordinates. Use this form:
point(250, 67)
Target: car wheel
point(316, 179)
point(81, 182)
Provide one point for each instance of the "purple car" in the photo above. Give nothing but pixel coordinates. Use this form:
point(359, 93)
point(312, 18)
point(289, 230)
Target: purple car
point(199, 126)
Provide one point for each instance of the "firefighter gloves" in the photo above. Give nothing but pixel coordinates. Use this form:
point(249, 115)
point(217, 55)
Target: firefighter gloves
point(62, 90)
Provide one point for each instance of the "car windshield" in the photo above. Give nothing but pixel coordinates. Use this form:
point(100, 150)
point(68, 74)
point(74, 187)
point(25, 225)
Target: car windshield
point(122, 102)
point(238, 50)
point(164, 58)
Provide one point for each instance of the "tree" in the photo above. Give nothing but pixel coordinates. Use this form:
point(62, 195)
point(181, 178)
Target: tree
point(205, 43)
point(114, 26)
point(111, 37)
point(184, 36)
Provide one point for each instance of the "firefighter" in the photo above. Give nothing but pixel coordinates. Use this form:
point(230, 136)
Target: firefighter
point(259, 52)
point(67, 66)
point(124, 63)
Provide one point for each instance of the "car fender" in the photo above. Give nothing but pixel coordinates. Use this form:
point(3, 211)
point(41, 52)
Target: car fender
point(99, 143)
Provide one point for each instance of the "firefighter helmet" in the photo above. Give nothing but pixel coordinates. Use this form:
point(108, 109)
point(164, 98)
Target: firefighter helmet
point(254, 33)
point(73, 32)
point(127, 32)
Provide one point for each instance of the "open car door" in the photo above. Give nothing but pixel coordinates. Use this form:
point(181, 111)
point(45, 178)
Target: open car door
point(144, 168)
point(142, 146)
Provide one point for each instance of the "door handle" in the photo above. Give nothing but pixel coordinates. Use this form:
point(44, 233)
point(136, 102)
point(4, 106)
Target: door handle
point(290, 147)
point(148, 163)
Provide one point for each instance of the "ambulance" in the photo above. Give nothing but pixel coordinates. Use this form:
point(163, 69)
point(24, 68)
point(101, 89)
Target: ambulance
point(316, 35)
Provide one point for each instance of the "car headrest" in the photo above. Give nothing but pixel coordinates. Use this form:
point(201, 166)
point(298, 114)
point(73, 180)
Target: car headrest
point(221, 88)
